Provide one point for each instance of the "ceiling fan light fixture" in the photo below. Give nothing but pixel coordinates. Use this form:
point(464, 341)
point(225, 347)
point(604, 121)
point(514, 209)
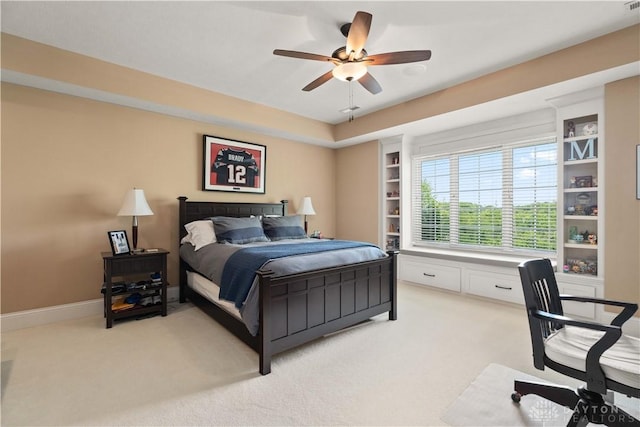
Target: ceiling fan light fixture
point(349, 71)
point(351, 61)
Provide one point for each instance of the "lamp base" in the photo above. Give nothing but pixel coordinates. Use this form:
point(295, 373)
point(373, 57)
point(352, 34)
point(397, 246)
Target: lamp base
point(134, 233)
point(137, 251)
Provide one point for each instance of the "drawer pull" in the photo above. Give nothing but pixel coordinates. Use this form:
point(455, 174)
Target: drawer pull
point(428, 275)
point(506, 288)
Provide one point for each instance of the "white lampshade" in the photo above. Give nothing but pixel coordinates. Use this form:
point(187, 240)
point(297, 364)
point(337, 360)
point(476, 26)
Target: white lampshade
point(135, 204)
point(306, 207)
point(349, 71)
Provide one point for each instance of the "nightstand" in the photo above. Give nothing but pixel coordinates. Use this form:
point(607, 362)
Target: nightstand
point(144, 273)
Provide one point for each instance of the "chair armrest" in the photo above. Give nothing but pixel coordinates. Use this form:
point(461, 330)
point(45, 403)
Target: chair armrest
point(596, 380)
point(564, 320)
point(627, 312)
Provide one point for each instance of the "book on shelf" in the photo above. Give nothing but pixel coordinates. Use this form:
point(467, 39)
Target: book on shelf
point(120, 305)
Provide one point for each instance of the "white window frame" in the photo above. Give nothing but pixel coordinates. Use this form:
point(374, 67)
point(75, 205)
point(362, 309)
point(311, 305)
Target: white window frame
point(504, 134)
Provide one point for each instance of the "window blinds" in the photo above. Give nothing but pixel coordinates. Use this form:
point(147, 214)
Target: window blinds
point(497, 198)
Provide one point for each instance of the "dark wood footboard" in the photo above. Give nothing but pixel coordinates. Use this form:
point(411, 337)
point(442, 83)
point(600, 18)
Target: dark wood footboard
point(297, 308)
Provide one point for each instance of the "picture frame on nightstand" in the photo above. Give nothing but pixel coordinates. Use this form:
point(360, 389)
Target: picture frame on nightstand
point(119, 242)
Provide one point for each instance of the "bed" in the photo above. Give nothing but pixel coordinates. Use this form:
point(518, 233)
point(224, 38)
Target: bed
point(296, 308)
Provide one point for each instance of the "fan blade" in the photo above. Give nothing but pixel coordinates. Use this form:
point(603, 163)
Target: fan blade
point(398, 57)
point(317, 82)
point(358, 33)
point(303, 55)
point(370, 83)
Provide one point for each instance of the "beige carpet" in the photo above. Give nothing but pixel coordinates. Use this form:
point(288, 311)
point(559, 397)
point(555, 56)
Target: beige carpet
point(185, 369)
point(487, 402)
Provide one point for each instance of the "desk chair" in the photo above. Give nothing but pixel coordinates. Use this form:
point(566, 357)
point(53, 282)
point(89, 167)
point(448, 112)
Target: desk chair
point(598, 354)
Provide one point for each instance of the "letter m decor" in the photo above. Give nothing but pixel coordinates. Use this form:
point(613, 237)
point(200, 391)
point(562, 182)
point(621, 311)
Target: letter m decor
point(580, 152)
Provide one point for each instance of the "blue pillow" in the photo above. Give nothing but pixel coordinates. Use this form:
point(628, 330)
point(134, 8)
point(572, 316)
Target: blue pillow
point(238, 230)
point(283, 227)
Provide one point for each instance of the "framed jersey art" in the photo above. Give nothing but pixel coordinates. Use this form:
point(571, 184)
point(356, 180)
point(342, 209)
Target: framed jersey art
point(233, 165)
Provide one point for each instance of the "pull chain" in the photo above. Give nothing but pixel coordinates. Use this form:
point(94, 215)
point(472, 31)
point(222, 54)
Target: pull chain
point(350, 100)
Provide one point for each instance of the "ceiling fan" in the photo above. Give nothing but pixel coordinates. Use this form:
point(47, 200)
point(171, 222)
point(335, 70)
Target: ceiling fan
point(351, 61)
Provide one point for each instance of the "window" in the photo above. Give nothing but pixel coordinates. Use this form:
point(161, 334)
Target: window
point(499, 199)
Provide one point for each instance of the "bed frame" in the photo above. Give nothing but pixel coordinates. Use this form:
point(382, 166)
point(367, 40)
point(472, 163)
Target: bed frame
point(301, 307)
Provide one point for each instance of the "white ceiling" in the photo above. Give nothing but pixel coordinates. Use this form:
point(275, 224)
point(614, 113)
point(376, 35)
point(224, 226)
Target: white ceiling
point(227, 47)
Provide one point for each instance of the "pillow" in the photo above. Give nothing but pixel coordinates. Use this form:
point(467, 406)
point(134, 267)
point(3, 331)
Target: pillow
point(199, 233)
point(283, 227)
point(238, 230)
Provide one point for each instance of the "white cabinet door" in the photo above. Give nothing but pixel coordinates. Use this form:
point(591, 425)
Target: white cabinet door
point(494, 285)
point(426, 272)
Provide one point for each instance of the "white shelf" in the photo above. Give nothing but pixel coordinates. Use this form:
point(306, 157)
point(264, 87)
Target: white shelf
point(581, 190)
point(587, 246)
point(580, 162)
point(581, 217)
point(581, 138)
point(579, 279)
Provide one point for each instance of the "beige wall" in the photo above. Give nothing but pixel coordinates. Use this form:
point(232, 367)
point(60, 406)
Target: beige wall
point(67, 161)
point(36, 59)
point(66, 164)
point(622, 216)
point(357, 192)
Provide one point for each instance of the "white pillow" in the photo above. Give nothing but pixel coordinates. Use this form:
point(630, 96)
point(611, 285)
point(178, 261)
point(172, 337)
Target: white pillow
point(199, 233)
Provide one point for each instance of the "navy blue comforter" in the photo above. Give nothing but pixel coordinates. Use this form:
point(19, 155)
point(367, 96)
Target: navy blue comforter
point(240, 269)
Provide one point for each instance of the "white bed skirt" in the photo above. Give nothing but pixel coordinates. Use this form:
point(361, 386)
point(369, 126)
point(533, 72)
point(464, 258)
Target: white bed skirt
point(210, 291)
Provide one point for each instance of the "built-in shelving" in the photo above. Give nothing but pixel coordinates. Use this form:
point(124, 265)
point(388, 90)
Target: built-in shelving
point(391, 196)
point(579, 196)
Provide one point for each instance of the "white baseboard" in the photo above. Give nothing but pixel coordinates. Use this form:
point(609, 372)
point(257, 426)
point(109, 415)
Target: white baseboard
point(43, 316)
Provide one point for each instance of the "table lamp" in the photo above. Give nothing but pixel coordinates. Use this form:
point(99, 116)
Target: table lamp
point(135, 205)
point(306, 208)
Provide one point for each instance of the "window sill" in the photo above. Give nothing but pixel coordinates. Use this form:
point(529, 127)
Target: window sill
point(498, 260)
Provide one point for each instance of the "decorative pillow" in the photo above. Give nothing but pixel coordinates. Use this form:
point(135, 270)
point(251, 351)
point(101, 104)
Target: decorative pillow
point(283, 227)
point(199, 233)
point(238, 230)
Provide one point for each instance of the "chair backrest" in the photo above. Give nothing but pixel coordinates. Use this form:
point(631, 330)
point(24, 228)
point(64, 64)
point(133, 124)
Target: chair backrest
point(540, 293)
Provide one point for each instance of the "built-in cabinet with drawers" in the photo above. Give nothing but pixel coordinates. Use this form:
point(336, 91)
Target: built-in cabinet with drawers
point(484, 280)
point(488, 281)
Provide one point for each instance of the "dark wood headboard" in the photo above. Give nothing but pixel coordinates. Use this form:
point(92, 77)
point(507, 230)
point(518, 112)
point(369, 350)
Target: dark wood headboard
point(192, 211)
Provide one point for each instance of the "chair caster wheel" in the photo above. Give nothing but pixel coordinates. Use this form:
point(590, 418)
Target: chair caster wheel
point(516, 397)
